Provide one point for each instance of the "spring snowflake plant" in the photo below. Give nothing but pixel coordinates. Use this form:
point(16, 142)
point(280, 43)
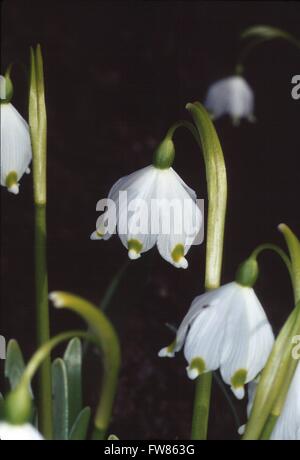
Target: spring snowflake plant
point(226, 327)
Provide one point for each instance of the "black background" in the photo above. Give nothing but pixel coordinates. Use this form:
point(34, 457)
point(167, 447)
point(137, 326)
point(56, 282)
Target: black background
point(118, 74)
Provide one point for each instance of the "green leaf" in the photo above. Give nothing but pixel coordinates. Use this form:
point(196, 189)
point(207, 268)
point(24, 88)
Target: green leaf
point(107, 340)
point(293, 245)
point(60, 400)
point(38, 124)
point(14, 364)
point(80, 426)
point(73, 362)
point(274, 376)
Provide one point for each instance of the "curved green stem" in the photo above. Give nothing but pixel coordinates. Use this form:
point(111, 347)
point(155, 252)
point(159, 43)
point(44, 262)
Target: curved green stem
point(44, 351)
point(108, 342)
point(18, 403)
point(183, 124)
point(209, 143)
point(240, 64)
point(262, 34)
point(280, 252)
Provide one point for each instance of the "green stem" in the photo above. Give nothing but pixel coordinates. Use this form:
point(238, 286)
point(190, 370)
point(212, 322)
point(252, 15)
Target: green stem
point(108, 342)
point(18, 403)
point(42, 317)
point(38, 132)
point(268, 428)
point(273, 247)
point(183, 124)
point(275, 376)
point(260, 35)
point(201, 407)
point(240, 65)
point(278, 406)
point(228, 399)
point(44, 351)
point(209, 142)
point(113, 286)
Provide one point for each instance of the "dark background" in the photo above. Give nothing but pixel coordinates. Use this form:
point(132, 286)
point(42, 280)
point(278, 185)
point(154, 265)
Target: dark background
point(118, 74)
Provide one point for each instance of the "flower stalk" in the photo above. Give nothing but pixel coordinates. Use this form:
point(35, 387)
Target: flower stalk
point(217, 198)
point(107, 340)
point(38, 132)
point(259, 35)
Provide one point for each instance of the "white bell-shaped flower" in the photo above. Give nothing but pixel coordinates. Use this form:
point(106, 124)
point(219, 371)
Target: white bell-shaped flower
point(16, 150)
point(25, 432)
point(225, 328)
point(231, 96)
point(153, 206)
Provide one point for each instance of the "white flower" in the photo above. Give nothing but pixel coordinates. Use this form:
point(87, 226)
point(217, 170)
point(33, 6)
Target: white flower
point(24, 432)
point(232, 96)
point(225, 328)
point(160, 209)
point(16, 151)
point(287, 427)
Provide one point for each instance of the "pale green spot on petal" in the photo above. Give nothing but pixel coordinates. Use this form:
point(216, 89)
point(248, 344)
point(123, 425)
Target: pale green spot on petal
point(135, 245)
point(170, 348)
point(178, 253)
point(11, 179)
point(198, 364)
point(239, 378)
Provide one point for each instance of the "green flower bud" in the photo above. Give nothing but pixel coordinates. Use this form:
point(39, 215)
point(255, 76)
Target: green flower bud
point(247, 273)
point(164, 154)
point(6, 88)
point(17, 406)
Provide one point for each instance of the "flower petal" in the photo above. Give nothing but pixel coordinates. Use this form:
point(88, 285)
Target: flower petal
point(15, 147)
point(248, 340)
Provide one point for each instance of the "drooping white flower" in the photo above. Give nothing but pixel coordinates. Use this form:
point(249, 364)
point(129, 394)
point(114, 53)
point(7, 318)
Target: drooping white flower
point(159, 209)
point(25, 432)
point(287, 427)
point(225, 328)
point(231, 96)
point(16, 150)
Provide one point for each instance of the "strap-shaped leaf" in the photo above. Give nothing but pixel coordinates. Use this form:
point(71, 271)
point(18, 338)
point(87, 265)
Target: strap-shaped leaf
point(73, 362)
point(60, 400)
point(14, 364)
point(80, 426)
